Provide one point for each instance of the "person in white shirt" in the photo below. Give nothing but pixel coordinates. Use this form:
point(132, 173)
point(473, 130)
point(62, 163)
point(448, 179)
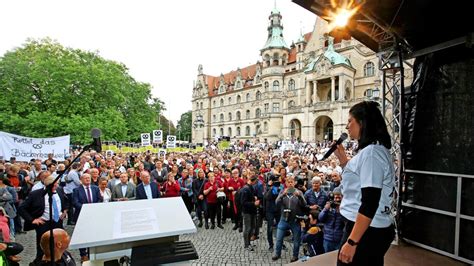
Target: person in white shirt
point(368, 183)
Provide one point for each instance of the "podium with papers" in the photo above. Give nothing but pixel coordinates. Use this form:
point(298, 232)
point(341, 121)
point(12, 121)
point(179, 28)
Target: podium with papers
point(147, 231)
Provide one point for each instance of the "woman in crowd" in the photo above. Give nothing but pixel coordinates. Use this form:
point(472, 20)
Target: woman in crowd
point(104, 190)
point(367, 183)
point(171, 188)
point(210, 191)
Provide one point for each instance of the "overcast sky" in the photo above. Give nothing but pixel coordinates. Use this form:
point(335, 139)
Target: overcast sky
point(161, 42)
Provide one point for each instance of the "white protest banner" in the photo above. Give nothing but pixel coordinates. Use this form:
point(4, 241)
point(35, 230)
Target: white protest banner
point(26, 148)
point(162, 154)
point(146, 139)
point(171, 141)
point(157, 136)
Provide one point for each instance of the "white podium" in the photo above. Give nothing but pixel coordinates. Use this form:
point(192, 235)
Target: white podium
point(111, 230)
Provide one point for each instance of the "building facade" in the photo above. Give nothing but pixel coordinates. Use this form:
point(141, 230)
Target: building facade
point(302, 91)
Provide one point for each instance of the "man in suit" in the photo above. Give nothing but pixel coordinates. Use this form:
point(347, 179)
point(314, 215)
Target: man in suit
point(147, 190)
point(35, 212)
point(85, 194)
point(123, 190)
point(160, 173)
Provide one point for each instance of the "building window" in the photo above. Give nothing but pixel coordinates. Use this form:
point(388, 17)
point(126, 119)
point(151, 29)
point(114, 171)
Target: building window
point(247, 114)
point(238, 115)
point(266, 85)
point(222, 131)
point(222, 102)
point(237, 85)
point(266, 108)
point(214, 103)
point(238, 131)
point(229, 132)
point(230, 116)
point(265, 127)
point(369, 69)
point(258, 113)
point(257, 130)
point(238, 99)
point(276, 85)
point(247, 97)
point(276, 107)
point(291, 104)
point(201, 105)
point(247, 131)
point(291, 85)
point(221, 117)
point(258, 96)
point(230, 100)
point(214, 132)
point(214, 118)
point(221, 89)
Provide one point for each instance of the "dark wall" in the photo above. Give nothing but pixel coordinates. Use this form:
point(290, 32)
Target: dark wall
point(443, 139)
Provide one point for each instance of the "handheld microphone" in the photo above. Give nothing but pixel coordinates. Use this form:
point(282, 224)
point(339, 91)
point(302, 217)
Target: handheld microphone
point(334, 146)
point(96, 145)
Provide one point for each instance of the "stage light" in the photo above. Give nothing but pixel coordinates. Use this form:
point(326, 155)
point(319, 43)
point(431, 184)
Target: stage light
point(341, 13)
point(341, 18)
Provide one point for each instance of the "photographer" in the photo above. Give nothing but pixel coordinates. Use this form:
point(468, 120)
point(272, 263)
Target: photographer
point(302, 182)
point(316, 197)
point(272, 212)
point(333, 221)
point(292, 204)
point(312, 235)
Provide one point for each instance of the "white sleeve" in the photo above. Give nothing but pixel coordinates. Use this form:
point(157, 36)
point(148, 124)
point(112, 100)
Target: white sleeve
point(371, 171)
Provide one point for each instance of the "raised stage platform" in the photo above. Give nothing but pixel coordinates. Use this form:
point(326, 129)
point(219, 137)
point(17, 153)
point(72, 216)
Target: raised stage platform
point(397, 255)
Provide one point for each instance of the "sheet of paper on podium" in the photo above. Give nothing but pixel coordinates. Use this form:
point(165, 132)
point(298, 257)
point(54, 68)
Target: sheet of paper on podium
point(135, 222)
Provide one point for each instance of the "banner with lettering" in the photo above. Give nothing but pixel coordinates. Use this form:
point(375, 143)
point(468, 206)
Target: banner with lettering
point(26, 148)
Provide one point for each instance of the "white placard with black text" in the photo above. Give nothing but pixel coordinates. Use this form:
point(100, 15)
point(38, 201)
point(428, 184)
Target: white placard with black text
point(146, 140)
point(157, 136)
point(171, 141)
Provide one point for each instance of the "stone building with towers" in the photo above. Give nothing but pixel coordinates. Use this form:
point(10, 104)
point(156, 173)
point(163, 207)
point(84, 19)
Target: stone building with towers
point(299, 91)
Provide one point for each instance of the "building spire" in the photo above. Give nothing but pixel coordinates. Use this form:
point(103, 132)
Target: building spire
point(275, 31)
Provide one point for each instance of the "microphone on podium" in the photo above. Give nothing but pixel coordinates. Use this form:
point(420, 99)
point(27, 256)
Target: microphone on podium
point(334, 146)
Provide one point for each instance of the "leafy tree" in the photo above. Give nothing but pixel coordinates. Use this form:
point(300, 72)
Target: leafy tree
point(185, 125)
point(165, 125)
point(49, 90)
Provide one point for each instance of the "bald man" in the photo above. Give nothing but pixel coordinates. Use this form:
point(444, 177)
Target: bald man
point(61, 243)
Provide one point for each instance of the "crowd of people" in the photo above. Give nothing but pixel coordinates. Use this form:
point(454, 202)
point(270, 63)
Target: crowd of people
point(245, 185)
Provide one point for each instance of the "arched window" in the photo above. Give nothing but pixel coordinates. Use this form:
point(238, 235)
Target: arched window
point(239, 99)
point(258, 96)
point(291, 85)
point(230, 116)
point(265, 127)
point(214, 132)
point(291, 104)
point(238, 85)
point(257, 130)
point(222, 131)
point(238, 115)
point(247, 131)
point(214, 118)
point(238, 131)
point(221, 89)
point(221, 117)
point(247, 97)
point(258, 113)
point(230, 100)
point(266, 85)
point(276, 85)
point(214, 103)
point(247, 114)
point(369, 69)
point(229, 132)
point(222, 102)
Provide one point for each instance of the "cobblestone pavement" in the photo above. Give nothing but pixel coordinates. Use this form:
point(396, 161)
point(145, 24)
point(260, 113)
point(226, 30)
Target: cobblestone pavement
point(214, 247)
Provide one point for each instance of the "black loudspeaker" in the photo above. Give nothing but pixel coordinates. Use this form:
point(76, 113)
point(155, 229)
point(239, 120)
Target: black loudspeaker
point(162, 253)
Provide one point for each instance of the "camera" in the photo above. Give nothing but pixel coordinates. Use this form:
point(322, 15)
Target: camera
point(332, 202)
point(304, 218)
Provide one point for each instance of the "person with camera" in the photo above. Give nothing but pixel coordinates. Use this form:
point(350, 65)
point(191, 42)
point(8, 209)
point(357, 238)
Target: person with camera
point(293, 204)
point(316, 197)
point(332, 220)
point(312, 237)
point(368, 183)
point(249, 203)
point(272, 212)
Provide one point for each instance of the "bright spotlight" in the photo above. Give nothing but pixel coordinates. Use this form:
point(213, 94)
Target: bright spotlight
point(341, 13)
point(342, 18)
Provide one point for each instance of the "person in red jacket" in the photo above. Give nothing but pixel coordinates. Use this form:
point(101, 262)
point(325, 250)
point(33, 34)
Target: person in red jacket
point(171, 188)
point(234, 185)
point(210, 190)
